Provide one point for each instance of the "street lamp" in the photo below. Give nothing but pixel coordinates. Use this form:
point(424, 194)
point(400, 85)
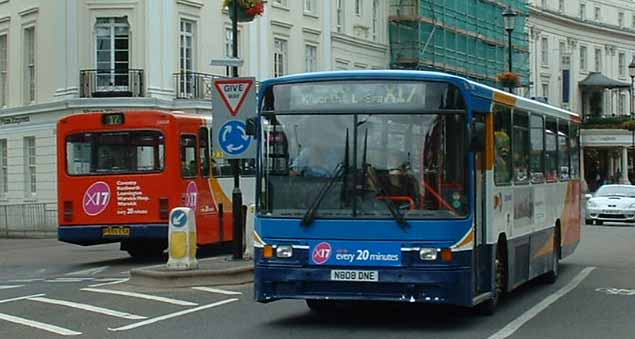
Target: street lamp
point(631, 73)
point(509, 16)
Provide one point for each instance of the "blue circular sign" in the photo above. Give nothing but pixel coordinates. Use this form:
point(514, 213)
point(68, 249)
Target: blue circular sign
point(233, 139)
point(179, 218)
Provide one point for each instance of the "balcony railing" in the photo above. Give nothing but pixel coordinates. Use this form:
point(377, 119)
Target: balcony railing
point(194, 85)
point(111, 83)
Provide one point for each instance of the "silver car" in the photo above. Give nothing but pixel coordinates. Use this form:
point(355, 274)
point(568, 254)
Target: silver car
point(614, 203)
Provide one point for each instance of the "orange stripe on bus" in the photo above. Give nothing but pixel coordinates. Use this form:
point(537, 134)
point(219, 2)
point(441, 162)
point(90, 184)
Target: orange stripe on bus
point(504, 98)
point(489, 142)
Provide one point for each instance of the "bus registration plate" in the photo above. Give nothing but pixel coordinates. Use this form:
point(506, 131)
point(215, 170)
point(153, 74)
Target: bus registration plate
point(118, 232)
point(350, 275)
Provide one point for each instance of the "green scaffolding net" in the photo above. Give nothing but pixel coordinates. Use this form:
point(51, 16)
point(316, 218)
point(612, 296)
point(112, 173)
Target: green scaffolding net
point(464, 37)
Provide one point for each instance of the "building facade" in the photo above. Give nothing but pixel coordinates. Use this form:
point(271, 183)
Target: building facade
point(68, 56)
point(579, 56)
point(462, 37)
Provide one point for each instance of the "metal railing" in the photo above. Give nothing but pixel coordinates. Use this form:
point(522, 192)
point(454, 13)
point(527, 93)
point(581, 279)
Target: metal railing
point(28, 218)
point(194, 85)
point(111, 83)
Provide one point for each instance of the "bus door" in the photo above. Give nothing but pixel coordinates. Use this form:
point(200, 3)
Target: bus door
point(482, 258)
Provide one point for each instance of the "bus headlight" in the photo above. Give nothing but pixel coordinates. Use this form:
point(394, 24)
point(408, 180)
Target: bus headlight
point(428, 254)
point(284, 251)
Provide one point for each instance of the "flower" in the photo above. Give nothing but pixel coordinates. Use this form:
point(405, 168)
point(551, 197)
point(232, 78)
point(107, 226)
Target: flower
point(508, 79)
point(250, 7)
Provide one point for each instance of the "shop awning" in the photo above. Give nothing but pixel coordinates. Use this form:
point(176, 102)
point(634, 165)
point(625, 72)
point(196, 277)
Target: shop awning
point(597, 80)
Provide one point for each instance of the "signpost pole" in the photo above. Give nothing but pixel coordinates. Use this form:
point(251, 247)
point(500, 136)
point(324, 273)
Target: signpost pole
point(237, 196)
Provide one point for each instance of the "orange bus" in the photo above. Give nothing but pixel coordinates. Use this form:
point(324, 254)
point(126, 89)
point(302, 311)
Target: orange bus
point(120, 174)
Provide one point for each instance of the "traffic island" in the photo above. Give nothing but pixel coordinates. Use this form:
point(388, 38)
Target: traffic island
point(216, 271)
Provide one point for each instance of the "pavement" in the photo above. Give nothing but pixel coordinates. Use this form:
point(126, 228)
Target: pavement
point(217, 271)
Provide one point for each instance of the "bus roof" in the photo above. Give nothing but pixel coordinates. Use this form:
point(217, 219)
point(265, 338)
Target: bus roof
point(152, 114)
point(475, 89)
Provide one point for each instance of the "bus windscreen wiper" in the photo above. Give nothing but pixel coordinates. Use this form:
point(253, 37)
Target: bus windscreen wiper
point(380, 187)
point(309, 216)
point(340, 170)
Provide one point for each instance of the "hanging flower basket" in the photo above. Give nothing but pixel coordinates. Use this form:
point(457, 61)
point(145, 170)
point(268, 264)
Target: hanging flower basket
point(508, 79)
point(247, 9)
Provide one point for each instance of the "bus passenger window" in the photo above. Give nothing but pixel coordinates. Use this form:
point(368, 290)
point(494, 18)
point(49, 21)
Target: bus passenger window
point(189, 167)
point(537, 149)
point(551, 154)
point(203, 136)
point(574, 144)
point(563, 150)
point(502, 136)
point(520, 147)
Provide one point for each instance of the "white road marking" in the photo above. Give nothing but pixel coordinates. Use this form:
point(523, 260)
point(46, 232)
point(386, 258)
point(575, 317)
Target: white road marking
point(6, 287)
point(90, 271)
point(112, 282)
point(216, 290)
point(21, 298)
point(142, 296)
point(25, 280)
point(532, 312)
point(171, 315)
point(69, 280)
point(89, 308)
point(38, 325)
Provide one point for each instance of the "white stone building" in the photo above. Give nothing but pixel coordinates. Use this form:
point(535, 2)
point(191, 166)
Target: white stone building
point(579, 56)
point(66, 56)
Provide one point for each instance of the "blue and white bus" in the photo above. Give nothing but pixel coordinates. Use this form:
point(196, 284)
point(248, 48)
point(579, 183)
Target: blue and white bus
point(409, 186)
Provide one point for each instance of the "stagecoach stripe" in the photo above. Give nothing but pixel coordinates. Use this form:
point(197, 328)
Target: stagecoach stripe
point(38, 325)
point(142, 296)
point(216, 290)
point(172, 315)
point(410, 249)
point(465, 242)
point(534, 311)
point(300, 247)
point(89, 308)
point(258, 238)
point(505, 98)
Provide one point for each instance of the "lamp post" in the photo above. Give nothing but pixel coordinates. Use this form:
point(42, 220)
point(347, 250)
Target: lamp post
point(631, 73)
point(509, 17)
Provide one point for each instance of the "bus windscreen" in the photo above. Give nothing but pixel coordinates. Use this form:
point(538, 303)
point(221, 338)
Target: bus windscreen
point(118, 152)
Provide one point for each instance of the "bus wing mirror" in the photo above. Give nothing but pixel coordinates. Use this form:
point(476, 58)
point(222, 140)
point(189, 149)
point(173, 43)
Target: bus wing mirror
point(477, 137)
point(251, 127)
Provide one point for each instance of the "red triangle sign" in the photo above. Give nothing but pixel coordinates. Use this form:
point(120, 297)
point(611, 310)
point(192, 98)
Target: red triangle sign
point(233, 92)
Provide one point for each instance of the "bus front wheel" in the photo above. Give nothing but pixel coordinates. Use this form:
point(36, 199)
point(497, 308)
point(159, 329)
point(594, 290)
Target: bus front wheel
point(320, 305)
point(488, 307)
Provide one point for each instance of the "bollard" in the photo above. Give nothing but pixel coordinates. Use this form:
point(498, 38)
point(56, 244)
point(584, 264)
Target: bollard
point(249, 231)
point(182, 239)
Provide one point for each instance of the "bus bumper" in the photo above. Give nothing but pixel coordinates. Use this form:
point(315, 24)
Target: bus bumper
point(86, 235)
point(426, 285)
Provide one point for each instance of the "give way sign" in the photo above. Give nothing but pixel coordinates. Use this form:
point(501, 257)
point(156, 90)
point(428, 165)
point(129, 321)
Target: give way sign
point(233, 102)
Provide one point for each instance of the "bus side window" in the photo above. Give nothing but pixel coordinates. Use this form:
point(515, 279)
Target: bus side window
point(203, 137)
point(574, 144)
point(503, 145)
point(189, 167)
point(520, 147)
point(551, 154)
point(563, 150)
point(537, 149)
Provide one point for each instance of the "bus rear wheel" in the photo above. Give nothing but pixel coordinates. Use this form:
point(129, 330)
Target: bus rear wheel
point(552, 276)
point(144, 249)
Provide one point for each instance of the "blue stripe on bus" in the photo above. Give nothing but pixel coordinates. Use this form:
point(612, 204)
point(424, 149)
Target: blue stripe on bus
point(92, 234)
point(360, 229)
